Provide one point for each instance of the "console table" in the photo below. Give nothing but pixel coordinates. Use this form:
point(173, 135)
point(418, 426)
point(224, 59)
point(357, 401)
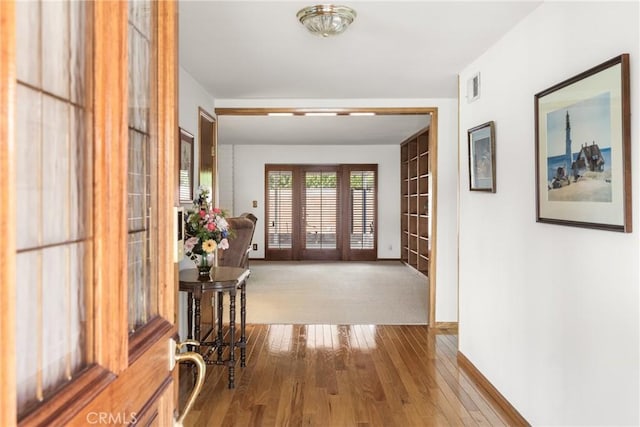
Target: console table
point(221, 280)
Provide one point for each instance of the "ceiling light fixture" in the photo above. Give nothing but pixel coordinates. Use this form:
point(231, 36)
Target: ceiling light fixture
point(326, 20)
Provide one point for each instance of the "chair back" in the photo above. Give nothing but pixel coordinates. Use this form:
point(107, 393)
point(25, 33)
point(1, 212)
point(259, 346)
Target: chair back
point(239, 246)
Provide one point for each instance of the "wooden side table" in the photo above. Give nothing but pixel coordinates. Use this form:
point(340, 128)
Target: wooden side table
point(221, 280)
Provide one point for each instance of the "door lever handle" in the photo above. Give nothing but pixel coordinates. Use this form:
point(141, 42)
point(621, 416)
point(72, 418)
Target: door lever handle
point(201, 367)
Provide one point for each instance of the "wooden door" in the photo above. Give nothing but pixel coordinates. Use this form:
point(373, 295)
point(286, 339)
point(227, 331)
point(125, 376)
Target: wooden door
point(360, 212)
point(87, 134)
point(321, 212)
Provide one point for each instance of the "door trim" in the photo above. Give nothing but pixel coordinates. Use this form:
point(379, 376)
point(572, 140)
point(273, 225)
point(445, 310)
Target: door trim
point(7, 207)
point(433, 145)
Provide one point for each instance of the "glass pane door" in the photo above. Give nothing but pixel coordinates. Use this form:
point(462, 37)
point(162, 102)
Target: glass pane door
point(321, 213)
point(363, 209)
point(142, 194)
point(53, 186)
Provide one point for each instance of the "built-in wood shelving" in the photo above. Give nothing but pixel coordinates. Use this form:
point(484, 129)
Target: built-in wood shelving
point(415, 180)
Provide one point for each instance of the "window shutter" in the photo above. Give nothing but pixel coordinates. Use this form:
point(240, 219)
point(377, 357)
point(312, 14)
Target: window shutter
point(280, 207)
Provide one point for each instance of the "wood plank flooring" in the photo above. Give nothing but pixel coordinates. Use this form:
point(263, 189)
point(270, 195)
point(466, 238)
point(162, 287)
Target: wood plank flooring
point(328, 375)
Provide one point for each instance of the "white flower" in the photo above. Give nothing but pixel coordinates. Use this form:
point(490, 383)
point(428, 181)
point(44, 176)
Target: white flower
point(222, 223)
point(224, 244)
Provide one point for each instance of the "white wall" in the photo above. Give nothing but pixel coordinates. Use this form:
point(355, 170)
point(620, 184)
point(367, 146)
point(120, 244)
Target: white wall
point(225, 178)
point(191, 96)
point(447, 236)
point(549, 314)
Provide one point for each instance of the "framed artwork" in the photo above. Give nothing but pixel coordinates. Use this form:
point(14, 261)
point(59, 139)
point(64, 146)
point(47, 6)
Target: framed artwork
point(185, 167)
point(482, 158)
point(583, 149)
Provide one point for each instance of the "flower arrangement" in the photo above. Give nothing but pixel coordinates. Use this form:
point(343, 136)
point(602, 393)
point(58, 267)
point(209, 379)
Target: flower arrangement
point(206, 230)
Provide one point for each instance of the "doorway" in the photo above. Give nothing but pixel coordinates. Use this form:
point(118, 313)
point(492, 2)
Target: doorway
point(321, 212)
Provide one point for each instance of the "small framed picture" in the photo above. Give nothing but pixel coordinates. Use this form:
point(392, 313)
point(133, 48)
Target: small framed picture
point(482, 158)
point(583, 149)
point(185, 167)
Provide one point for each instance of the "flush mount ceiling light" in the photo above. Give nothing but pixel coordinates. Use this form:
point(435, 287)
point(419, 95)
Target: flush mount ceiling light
point(326, 20)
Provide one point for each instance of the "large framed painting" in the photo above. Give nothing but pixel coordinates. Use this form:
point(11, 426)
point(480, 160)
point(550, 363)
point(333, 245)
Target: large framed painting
point(583, 149)
point(482, 158)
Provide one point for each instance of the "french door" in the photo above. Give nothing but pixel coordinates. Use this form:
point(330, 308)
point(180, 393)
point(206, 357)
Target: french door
point(87, 171)
point(321, 212)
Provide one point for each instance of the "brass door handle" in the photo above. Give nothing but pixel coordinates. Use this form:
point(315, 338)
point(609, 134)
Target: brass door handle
point(197, 360)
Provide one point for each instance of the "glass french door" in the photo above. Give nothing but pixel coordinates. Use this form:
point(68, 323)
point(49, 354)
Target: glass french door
point(321, 212)
point(320, 216)
point(361, 204)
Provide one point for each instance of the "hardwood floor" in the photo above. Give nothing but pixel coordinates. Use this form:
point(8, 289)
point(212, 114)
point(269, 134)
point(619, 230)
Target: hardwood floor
point(328, 375)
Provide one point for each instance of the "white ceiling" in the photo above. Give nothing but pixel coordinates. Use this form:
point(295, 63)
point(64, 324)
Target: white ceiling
point(340, 130)
point(258, 50)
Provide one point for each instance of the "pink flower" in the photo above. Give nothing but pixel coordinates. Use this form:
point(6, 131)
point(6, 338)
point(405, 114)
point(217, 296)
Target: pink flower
point(211, 226)
point(217, 210)
point(202, 213)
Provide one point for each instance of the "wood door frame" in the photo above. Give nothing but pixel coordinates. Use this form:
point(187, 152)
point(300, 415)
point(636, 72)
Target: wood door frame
point(433, 148)
point(110, 352)
point(7, 207)
point(204, 115)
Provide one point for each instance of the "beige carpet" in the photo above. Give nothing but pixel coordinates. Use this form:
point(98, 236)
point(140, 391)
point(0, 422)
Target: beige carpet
point(339, 293)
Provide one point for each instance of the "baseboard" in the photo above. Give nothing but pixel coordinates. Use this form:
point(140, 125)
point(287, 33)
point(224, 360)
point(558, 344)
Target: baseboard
point(485, 384)
point(446, 325)
point(389, 259)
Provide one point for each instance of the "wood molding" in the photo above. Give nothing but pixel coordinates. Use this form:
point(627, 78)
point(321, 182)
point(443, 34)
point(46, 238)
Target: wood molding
point(433, 154)
point(452, 326)
point(8, 209)
point(168, 143)
point(146, 336)
point(70, 400)
point(120, 397)
point(482, 381)
point(389, 259)
point(338, 111)
point(110, 82)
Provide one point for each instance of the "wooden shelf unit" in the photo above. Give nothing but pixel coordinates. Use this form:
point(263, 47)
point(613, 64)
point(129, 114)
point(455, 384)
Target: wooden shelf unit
point(415, 181)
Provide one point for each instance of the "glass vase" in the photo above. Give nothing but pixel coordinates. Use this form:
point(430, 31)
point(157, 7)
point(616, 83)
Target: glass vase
point(204, 263)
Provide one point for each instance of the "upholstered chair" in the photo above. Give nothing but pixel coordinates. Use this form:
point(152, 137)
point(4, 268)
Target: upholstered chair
point(239, 246)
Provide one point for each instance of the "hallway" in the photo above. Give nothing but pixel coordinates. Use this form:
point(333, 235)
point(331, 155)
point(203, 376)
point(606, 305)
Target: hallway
point(328, 375)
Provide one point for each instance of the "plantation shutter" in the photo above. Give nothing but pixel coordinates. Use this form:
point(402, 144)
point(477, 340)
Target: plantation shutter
point(321, 209)
point(363, 208)
point(279, 209)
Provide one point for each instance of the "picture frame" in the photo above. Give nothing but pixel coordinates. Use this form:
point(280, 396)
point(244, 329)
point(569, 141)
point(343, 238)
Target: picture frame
point(583, 149)
point(482, 157)
point(185, 167)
